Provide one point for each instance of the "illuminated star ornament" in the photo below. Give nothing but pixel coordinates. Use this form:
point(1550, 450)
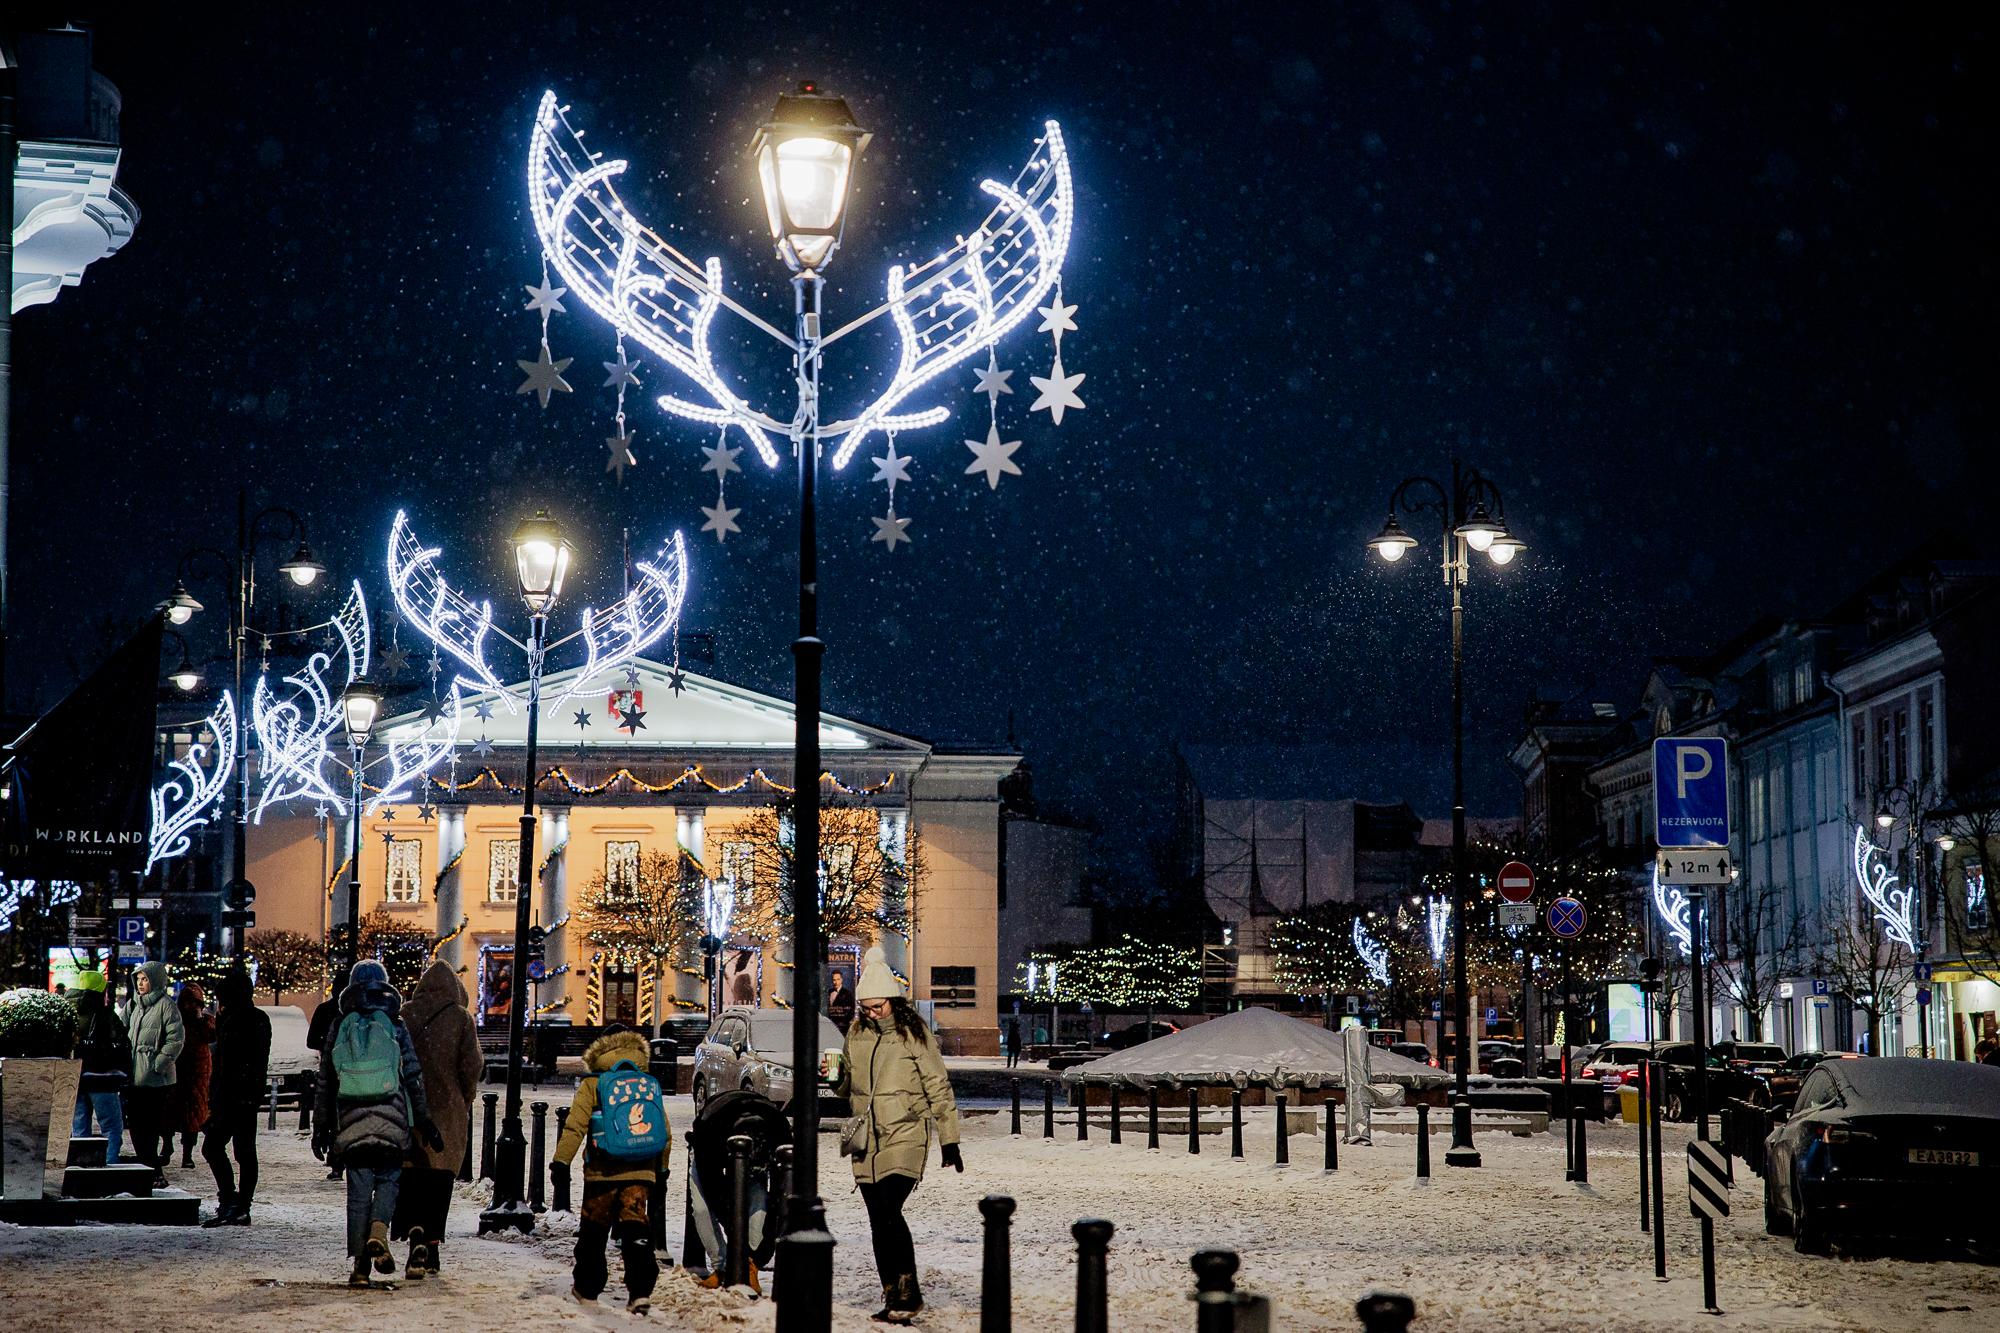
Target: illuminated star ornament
point(943, 312)
point(544, 376)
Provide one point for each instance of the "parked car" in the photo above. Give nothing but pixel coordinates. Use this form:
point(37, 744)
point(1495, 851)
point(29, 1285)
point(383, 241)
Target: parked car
point(1884, 1144)
point(1414, 1050)
point(1493, 1049)
point(752, 1049)
point(1753, 1057)
point(1784, 1081)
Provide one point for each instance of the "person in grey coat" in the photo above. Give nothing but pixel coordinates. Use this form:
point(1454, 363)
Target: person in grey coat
point(157, 1037)
point(371, 1106)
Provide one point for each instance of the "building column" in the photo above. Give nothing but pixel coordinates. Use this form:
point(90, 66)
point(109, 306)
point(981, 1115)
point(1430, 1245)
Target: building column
point(893, 836)
point(451, 881)
point(690, 832)
point(555, 894)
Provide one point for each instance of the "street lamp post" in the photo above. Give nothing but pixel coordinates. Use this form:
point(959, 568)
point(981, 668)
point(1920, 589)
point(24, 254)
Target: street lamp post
point(805, 155)
point(541, 560)
point(360, 704)
point(1911, 799)
point(1473, 518)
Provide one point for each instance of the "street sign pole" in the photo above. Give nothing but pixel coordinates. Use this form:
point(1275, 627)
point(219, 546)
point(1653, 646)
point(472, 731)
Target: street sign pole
point(1569, 1099)
point(1698, 916)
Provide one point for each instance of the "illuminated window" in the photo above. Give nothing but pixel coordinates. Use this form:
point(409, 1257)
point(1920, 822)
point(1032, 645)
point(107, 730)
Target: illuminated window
point(503, 870)
point(621, 869)
point(403, 879)
point(739, 863)
point(1978, 916)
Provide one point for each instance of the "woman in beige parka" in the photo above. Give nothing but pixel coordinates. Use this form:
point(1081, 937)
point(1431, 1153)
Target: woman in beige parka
point(895, 1080)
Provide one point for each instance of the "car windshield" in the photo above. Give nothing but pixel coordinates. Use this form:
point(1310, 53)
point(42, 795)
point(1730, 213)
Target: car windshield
point(771, 1036)
point(1763, 1055)
point(1905, 1084)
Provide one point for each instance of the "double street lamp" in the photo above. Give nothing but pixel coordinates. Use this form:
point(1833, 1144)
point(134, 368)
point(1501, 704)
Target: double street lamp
point(1473, 518)
point(360, 706)
point(1905, 802)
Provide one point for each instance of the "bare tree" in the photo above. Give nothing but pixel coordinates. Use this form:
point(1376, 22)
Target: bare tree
point(1761, 943)
point(865, 887)
point(1858, 955)
point(1965, 872)
point(648, 913)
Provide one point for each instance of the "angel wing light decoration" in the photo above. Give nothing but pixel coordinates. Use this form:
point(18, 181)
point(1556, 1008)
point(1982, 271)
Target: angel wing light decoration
point(294, 730)
point(945, 310)
point(1895, 906)
point(191, 790)
point(1437, 920)
point(1675, 913)
point(1374, 955)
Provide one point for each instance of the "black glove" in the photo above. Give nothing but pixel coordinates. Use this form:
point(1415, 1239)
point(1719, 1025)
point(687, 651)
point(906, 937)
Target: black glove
point(319, 1147)
point(431, 1134)
point(949, 1154)
point(559, 1176)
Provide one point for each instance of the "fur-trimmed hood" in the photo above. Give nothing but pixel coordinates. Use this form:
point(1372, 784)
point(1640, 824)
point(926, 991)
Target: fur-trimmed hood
point(609, 1049)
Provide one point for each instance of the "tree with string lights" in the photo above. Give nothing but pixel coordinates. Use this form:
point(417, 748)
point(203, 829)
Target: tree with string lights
point(286, 961)
point(865, 887)
point(653, 912)
point(402, 947)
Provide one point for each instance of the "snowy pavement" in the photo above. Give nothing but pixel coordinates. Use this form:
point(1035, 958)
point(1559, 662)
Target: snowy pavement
point(1509, 1246)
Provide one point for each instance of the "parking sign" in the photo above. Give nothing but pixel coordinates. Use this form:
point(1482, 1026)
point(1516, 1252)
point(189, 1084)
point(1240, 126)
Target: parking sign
point(1691, 791)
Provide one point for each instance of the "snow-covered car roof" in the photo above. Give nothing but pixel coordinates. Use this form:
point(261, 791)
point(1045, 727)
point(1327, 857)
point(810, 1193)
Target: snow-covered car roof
point(1894, 1083)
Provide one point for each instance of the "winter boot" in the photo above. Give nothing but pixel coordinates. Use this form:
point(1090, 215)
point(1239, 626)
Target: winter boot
point(640, 1306)
point(888, 1314)
point(904, 1299)
point(580, 1298)
point(225, 1211)
point(359, 1277)
point(419, 1264)
point(378, 1247)
point(752, 1279)
point(433, 1247)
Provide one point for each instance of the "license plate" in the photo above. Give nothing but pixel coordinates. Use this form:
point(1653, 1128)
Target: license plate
point(1943, 1157)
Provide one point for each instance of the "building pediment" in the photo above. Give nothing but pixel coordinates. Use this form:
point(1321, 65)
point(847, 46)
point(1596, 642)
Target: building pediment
point(706, 715)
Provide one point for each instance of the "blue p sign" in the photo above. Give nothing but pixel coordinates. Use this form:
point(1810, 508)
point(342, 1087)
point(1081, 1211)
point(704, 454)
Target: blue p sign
point(131, 930)
point(1691, 791)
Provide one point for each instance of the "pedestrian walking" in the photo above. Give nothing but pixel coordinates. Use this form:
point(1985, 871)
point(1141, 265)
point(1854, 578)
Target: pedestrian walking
point(105, 1049)
point(721, 1118)
point(629, 1140)
point(187, 1100)
point(1013, 1043)
point(157, 1036)
point(236, 1089)
point(371, 1102)
point(895, 1079)
point(441, 1028)
point(319, 1030)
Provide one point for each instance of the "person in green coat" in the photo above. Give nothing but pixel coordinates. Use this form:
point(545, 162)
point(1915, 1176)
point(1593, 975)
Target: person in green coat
point(157, 1037)
point(895, 1079)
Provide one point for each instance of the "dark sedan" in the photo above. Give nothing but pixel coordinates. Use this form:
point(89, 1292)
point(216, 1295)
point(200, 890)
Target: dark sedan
point(1884, 1145)
point(1784, 1081)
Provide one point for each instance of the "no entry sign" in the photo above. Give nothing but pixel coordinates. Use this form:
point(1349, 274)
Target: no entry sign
point(1517, 881)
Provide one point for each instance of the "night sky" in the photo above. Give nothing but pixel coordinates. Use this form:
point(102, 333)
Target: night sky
point(1706, 293)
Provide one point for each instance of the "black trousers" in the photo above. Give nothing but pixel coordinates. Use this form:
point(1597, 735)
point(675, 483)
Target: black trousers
point(425, 1201)
point(236, 1129)
point(618, 1208)
point(895, 1252)
point(146, 1122)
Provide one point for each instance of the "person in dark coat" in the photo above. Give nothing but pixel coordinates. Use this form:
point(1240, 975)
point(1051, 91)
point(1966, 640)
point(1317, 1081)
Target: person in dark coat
point(236, 1088)
point(106, 1052)
point(325, 1017)
point(440, 1027)
point(366, 1130)
point(723, 1117)
point(187, 1103)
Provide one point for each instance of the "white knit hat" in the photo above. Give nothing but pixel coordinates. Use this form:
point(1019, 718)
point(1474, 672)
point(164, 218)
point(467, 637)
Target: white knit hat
point(877, 981)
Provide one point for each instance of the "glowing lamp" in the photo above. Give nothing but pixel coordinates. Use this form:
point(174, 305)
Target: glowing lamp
point(1480, 530)
point(1503, 549)
point(1392, 542)
point(186, 677)
point(359, 704)
point(805, 161)
point(302, 569)
point(1947, 842)
point(541, 557)
point(180, 605)
point(1883, 819)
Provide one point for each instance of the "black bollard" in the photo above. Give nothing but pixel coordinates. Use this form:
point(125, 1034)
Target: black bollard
point(1215, 1291)
point(1048, 1108)
point(692, 1255)
point(1194, 1120)
point(1081, 1100)
point(1582, 1156)
point(1116, 1136)
point(1093, 1239)
point(1236, 1123)
point(1014, 1093)
point(996, 1274)
point(308, 1093)
point(560, 1202)
point(736, 1268)
point(781, 1189)
point(1152, 1117)
point(1332, 1138)
point(538, 1155)
point(1284, 1134)
point(465, 1163)
point(1423, 1142)
point(1385, 1312)
point(271, 1121)
point(492, 1100)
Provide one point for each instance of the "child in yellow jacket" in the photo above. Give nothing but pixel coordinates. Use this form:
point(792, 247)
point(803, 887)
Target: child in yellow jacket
point(617, 1194)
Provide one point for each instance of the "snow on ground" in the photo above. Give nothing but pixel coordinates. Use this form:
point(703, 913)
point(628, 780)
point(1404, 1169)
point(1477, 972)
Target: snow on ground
point(1509, 1246)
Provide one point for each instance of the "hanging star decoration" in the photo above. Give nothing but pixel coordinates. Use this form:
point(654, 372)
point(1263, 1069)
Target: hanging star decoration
point(544, 376)
point(891, 467)
point(992, 380)
point(993, 456)
point(721, 520)
point(1057, 318)
point(427, 812)
point(388, 836)
point(632, 675)
point(721, 459)
point(483, 748)
point(632, 721)
point(620, 447)
point(1057, 391)
point(676, 680)
point(618, 373)
point(432, 711)
point(394, 661)
point(483, 710)
point(890, 530)
point(545, 299)
point(582, 719)
point(388, 814)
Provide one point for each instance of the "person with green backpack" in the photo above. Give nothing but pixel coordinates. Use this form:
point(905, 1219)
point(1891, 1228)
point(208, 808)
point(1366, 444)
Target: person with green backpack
point(618, 1110)
point(371, 1102)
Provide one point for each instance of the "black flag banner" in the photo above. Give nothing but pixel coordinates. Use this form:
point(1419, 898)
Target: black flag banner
point(79, 779)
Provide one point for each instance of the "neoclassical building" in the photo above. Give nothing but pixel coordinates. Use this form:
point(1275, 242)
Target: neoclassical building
point(653, 770)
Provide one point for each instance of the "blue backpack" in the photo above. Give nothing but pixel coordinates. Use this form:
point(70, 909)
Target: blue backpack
point(631, 1121)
